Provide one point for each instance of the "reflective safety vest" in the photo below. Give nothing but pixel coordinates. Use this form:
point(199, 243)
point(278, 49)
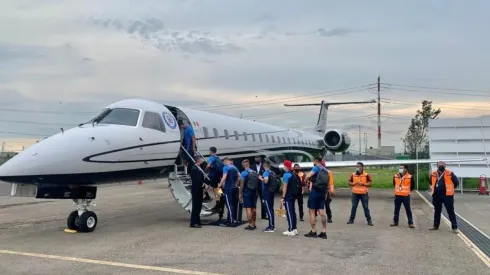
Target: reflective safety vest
point(447, 180)
point(330, 181)
point(362, 178)
point(403, 184)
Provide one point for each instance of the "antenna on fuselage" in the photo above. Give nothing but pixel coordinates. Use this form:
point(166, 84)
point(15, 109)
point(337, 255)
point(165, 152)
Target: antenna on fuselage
point(321, 125)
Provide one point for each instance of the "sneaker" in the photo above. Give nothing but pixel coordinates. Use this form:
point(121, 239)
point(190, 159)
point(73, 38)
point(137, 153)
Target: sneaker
point(288, 233)
point(394, 224)
point(370, 223)
point(455, 231)
point(322, 235)
point(295, 231)
point(311, 235)
point(269, 230)
point(411, 225)
point(329, 220)
point(249, 227)
point(350, 222)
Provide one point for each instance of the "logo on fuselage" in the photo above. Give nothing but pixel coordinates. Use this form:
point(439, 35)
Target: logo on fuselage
point(169, 120)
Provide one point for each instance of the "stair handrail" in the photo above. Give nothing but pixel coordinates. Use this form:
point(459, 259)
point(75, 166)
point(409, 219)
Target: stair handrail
point(194, 162)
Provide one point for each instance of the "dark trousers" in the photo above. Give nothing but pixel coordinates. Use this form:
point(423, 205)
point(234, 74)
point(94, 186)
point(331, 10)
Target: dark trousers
point(290, 214)
point(448, 202)
point(263, 209)
point(405, 200)
point(355, 202)
point(300, 206)
point(269, 206)
point(231, 204)
point(196, 206)
point(239, 207)
point(327, 206)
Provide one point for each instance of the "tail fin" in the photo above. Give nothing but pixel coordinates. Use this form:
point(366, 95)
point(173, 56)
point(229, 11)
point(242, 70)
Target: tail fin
point(321, 125)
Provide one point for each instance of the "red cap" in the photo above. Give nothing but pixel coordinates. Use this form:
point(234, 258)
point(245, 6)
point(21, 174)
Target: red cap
point(323, 162)
point(288, 164)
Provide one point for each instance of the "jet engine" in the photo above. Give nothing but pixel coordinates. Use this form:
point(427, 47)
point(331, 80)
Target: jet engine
point(336, 141)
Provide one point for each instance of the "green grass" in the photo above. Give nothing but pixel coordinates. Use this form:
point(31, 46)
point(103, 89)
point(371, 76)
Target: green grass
point(383, 178)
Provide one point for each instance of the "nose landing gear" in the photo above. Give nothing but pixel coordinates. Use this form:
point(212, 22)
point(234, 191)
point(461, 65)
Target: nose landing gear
point(82, 219)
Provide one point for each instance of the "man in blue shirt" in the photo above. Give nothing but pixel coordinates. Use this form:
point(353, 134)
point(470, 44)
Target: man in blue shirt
point(290, 190)
point(189, 142)
point(248, 194)
point(316, 201)
point(268, 196)
point(229, 183)
point(215, 177)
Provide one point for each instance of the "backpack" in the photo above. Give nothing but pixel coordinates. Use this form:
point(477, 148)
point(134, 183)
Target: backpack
point(294, 185)
point(218, 167)
point(252, 180)
point(274, 183)
point(322, 179)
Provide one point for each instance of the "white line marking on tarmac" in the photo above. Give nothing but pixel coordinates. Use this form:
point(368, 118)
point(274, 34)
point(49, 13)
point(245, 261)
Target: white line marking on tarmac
point(89, 261)
point(462, 236)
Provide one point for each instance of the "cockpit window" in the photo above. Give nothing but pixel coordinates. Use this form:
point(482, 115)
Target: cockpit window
point(153, 121)
point(119, 116)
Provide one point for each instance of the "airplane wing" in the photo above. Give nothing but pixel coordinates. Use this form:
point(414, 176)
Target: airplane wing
point(333, 164)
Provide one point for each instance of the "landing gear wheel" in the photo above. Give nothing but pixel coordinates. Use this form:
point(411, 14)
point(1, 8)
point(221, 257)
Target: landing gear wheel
point(72, 221)
point(87, 221)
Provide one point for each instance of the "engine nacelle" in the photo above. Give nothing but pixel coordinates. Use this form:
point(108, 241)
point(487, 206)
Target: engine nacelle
point(336, 141)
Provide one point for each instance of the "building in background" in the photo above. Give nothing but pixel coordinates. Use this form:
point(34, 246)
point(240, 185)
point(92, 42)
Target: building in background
point(461, 138)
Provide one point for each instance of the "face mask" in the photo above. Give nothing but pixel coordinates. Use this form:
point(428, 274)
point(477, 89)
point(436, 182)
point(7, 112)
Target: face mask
point(441, 168)
point(296, 170)
point(400, 171)
point(358, 170)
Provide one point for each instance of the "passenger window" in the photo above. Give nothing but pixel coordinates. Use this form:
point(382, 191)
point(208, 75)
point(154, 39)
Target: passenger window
point(227, 135)
point(266, 138)
point(236, 135)
point(273, 139)
point(283, 140)
point(260, 137)
point(206, 133)
point(289, 140)
point(153, 121)
point(216, 134)
point(245, 136)
point(253, 137)
point(119, 116)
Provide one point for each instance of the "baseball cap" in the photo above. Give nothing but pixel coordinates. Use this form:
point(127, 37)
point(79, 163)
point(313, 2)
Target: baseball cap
point(288, 164)
point(323, 162)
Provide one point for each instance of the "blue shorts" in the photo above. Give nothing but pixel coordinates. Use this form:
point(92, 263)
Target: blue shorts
point(249, 200)
point(316, 200)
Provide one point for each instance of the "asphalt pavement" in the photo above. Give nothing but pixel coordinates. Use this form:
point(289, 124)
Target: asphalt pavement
point(142, 230)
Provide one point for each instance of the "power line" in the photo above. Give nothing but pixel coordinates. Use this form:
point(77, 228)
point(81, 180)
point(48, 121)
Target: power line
point(434, 88)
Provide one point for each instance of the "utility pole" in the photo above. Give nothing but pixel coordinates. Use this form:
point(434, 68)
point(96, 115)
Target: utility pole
point(379, 114)
point(365, 143)
point(3, 148)
point(360, 148)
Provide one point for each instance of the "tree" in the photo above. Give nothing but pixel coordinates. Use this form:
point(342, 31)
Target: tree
point(416, 138)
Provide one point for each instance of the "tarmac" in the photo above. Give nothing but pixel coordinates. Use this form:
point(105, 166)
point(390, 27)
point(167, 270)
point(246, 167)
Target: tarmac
point(142, 230)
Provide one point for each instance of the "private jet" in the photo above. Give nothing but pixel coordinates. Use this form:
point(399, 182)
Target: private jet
point(137, 139)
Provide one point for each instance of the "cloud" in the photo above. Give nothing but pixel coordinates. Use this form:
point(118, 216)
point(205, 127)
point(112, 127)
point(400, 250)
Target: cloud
point(75, 57)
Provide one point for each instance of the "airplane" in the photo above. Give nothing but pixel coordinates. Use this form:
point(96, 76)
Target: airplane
point(137, 139)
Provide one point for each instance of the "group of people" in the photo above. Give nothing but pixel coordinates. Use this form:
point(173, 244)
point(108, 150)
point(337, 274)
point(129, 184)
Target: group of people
point(259, 181)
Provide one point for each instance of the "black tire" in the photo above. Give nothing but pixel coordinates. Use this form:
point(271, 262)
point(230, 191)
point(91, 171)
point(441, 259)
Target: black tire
point(87, 221)
point(72, 221)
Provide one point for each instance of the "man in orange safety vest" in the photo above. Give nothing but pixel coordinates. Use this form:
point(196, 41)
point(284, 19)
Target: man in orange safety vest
point(404, 184)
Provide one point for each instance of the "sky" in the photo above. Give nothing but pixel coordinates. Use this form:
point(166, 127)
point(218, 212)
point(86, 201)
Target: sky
point(62, 61)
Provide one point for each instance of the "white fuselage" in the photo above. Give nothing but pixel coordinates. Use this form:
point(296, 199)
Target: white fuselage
point(141, 139)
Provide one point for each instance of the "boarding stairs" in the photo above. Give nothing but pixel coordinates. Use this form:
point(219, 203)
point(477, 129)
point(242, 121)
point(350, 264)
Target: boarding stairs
point(180, 186)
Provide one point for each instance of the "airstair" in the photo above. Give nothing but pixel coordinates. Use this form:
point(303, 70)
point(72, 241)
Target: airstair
point(180, 186)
